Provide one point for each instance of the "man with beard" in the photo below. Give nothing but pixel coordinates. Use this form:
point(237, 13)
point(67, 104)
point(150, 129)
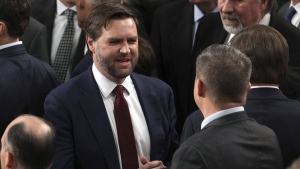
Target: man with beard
point(235, 15)
point(96, 126)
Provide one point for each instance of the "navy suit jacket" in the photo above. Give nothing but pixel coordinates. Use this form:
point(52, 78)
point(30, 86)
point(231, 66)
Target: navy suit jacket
point(24, 83)
point(44, 11)
point(268, 107)
point(35, 40)
point(234, 141)
point(212, 32)
point(84, 135)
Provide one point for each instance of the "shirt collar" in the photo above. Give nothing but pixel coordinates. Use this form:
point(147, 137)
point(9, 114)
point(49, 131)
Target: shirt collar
point(106, 86)
point(297, 7)
point(10, 44)
point(61, 7)
point(255, 87)
point(219, 114)
point(198, 14)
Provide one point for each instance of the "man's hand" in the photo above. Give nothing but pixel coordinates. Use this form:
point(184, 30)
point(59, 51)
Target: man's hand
point(152, 164)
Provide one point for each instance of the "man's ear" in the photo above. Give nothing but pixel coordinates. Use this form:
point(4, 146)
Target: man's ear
point(263, 4)
point(80, 4)
point(90, 43)
point(9, 159)
point(249, 87)
point(2, 27)
point(200, 87)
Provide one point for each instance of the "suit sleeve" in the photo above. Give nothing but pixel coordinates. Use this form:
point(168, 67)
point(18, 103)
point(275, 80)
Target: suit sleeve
point(188, 130)
point(188, 157)
point(173, 133)
point(57, 115)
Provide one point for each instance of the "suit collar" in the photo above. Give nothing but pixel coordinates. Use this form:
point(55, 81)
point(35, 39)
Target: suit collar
point(95, 112)
point(13, 50)
point(227, 119)
point(265, 93)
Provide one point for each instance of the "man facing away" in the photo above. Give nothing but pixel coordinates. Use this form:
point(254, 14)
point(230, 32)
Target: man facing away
point(28, 143)
point(25, 81)
point(86, 110)
point(228, 137)
point(265, 102)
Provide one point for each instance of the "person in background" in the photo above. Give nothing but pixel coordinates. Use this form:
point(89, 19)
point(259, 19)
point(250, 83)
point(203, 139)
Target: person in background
point(65, 40)
point(291, 11)
point(265, 101)
point(28, 142)
point(25, 81)
point(35, 40)
point(173, 33)
point(234, 16)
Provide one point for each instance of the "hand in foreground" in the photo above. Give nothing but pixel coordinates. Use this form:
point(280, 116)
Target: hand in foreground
point(152, 164)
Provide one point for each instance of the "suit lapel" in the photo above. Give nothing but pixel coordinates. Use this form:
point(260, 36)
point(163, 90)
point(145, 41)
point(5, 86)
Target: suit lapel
point(95, 113)
point(151, 110)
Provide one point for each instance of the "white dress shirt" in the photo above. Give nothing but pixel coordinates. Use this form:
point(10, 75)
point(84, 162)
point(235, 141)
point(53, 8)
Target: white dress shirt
point(60, 24)
point(296, 18)
point(220, 114)
point(140, 128)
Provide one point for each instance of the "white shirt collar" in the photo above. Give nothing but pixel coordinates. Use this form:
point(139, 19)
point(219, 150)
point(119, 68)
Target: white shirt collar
point(106, 86)
point(61, 7)
point(10, 44)
point(220, 114)
point(255, 87)
point(198, 14)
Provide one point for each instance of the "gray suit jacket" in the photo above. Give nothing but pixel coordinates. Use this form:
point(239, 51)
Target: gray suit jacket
point(35, 40)
point(233, 141)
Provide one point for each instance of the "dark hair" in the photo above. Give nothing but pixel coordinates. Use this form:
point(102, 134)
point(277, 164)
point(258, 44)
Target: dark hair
point(102, 14)
point(225, 73)
point(30, 150)
point(15, 15)
point(146, 62)
point(268, 51)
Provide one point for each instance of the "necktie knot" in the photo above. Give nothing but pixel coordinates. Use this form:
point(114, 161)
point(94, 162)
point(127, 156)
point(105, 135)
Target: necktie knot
point(69, 14)
point(290, 13)
point(119, 90)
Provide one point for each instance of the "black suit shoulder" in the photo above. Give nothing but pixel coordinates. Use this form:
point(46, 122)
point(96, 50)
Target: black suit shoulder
point(283, 9)
point(236, 143)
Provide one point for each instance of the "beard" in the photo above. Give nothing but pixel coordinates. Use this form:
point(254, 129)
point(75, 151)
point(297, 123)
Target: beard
point(231, 28)
point(108, 65)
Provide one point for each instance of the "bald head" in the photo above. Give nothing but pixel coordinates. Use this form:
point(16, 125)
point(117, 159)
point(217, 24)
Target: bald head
point(28, 142)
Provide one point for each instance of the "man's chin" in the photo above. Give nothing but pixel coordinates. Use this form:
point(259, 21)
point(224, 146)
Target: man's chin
point(233, 30)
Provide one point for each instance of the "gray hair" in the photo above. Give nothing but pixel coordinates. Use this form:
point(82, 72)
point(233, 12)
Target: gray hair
point(225, 73)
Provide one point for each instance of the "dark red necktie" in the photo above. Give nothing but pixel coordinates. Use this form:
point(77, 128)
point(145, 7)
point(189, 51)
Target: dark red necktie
point(125, 131)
